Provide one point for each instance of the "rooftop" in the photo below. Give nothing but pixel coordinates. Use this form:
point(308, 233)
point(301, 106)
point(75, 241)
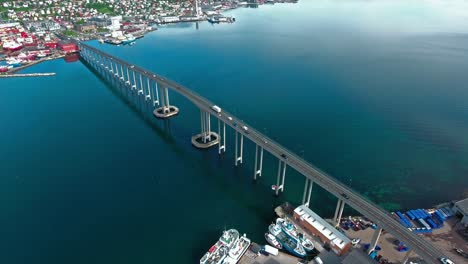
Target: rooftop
point(331, 233)
point(463, 205)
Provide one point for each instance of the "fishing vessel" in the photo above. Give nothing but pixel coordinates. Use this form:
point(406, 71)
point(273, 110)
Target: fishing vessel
point(129, 38)
point(237, 250)
point(288, 227)
point(274, 229)
point(215, 255)
point(229, 237)
point(271, 239)
point(14, 62)
point(291, 244)
point(228, 249)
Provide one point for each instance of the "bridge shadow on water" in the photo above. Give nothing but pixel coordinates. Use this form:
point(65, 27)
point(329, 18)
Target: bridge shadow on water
point(138, 105)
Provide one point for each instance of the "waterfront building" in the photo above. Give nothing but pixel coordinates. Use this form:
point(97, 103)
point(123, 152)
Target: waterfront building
point(339, 243)
point(86, 28)
point(461, 209)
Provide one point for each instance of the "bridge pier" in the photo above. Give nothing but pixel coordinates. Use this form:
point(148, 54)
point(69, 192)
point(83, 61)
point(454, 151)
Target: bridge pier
point(281, 168)
point(134, 81)
point(239, 157)
point(166, 110)
point(308, 183)
point(155, 93)
point(222, 140)
point(206, 138)
point(141, 88)
point(122, 75)
point(258, 163)
point(375, 239)
point(338, 212)
point(128, 77)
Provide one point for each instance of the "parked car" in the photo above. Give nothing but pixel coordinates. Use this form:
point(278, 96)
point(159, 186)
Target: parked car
point(355, 241)
point(446, 261)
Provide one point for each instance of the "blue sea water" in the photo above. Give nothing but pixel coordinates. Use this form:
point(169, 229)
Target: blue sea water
point(373, 93)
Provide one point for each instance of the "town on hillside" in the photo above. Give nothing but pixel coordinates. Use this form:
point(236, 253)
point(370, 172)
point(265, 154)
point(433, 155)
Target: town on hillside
point(35, 30)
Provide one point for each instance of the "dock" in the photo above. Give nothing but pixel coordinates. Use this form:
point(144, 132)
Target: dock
point(27, 75)
point(283, 258)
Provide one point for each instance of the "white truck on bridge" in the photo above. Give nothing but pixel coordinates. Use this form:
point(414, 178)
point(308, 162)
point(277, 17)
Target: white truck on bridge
point(216, 108)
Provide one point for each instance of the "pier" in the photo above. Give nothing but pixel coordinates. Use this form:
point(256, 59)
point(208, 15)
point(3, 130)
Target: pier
point(149, 86)
point(16, 75)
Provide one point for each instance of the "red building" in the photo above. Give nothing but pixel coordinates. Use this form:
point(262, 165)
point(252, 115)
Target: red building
point(67, 47)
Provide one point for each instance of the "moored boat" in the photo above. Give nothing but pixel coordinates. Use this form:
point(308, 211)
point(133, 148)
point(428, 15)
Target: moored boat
point(215, 255)
point(291, 244)
point(288, 227)
point(229, 237)
point(237, 250)
point(271, 239)
point(14, 62)
point(307, 244)
point(129, 38)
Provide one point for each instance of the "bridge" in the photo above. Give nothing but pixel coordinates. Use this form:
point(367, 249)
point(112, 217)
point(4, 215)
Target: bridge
point(155, 91)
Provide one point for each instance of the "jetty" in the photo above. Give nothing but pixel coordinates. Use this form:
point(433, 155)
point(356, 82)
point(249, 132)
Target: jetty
point(15, 75)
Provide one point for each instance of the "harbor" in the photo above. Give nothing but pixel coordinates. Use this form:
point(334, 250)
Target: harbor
point(355, 234)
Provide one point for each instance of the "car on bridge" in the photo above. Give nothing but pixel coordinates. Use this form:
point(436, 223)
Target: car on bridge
point(446, 261)
point(345, 196)
point(284, 156)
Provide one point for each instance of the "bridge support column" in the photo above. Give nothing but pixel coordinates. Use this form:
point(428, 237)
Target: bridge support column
point(375, 239)
point(407, 255)
point(206, 138)
point(122, 74)
point(134, 81)
point(155, 95)
point(141, 88)
point(308, 185)
point(281, 168)
point(148, 85)
point(239, 157)
point(166, 110)
point(222, 140)
point(116, 71)
point(128, 77)
point(258, 163)
point(338, 212)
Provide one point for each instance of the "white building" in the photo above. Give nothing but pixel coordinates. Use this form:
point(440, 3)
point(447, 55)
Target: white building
point(115, 23)
point(461, 208)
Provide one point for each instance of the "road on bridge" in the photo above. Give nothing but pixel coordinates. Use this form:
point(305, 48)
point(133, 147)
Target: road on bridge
point(382, 218)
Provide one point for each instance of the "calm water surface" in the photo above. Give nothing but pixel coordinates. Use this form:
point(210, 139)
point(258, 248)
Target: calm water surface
point(375, 93)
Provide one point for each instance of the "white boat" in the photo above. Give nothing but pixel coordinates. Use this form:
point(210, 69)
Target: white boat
point(274, 229)
point(307, 244)
point(215, 255)
point(288, 227)
point(229, 237)
point(129, 38)
point(271, 239)
point(237, 250)
point(14, 62)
